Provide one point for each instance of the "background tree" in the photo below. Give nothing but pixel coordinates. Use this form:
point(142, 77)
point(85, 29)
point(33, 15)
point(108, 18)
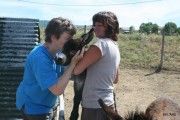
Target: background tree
point(145, 28)
point(121, 30)
point(155, 28)
point(170, 28)
point(178, 31)
point(132, 29)
point(148, 28)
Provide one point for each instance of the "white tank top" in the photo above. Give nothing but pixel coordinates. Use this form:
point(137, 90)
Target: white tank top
point(100, 75)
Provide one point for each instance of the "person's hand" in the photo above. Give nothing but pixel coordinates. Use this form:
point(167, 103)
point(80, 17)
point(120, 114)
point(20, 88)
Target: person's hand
point(78, 56)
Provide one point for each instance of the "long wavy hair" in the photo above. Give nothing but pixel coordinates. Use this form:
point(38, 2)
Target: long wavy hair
point(109, 19)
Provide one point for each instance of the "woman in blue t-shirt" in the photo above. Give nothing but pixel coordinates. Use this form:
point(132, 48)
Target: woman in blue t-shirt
point(43, 80)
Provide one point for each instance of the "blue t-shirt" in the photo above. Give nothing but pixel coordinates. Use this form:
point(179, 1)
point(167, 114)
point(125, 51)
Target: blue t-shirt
point(40, 73)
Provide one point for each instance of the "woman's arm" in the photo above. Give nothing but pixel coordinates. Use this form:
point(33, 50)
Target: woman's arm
point(92, 55)
point(117, 77)
point(59, 87)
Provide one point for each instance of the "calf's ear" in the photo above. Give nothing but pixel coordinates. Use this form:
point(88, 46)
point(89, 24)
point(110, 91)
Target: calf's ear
point(109, 111)
point(87, 37)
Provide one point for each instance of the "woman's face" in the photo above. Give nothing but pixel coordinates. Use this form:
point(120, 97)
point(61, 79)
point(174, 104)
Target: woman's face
point(59, 43)
point(100, 30)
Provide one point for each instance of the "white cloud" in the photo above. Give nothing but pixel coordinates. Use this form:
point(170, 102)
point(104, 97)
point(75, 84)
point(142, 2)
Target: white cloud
point(159, 12)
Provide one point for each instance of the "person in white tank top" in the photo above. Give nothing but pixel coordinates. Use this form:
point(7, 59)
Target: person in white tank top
point(102, 61)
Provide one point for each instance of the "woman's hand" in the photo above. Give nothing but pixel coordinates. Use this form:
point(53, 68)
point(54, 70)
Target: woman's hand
point(78, 56)
point(59, 87)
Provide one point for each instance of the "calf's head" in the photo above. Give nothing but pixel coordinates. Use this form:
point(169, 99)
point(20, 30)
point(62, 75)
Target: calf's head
point(71, 47)
point(133, 115)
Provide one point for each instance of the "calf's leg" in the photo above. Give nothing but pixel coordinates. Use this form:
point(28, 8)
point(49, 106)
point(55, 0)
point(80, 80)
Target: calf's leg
point(78, 88)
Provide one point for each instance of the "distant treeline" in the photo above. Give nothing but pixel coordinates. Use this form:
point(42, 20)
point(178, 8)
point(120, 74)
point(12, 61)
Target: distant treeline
point(170, 28)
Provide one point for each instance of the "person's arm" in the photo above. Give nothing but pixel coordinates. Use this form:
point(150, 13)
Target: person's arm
point(117, 77)
point(92, 55)
point(59, 87)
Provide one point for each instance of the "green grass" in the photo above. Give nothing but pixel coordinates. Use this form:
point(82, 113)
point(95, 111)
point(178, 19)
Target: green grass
point(144, 51)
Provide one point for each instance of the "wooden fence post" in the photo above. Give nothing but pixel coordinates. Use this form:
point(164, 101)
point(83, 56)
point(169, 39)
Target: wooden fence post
point(84, 28)
point(162, 53)
point(162, 50)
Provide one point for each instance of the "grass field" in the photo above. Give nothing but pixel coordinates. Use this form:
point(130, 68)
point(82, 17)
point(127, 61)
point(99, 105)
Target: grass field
point(144, 51)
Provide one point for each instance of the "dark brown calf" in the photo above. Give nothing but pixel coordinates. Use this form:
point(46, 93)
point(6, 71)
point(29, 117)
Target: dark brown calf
point(71, 47)
point(64, 58)
point(160, 109)
point(164, 109)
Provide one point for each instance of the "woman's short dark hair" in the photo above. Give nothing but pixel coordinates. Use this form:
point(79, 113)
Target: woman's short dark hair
point(109, 19)
point(57, 26)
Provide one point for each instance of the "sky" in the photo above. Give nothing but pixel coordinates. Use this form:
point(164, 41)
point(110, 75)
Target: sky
point(80, 12)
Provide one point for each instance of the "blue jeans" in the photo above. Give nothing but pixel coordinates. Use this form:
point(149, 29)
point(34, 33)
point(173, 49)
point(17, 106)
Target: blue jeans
point(46, 116)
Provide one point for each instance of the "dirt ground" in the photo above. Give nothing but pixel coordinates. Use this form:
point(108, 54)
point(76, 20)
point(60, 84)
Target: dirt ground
point(134, 89)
